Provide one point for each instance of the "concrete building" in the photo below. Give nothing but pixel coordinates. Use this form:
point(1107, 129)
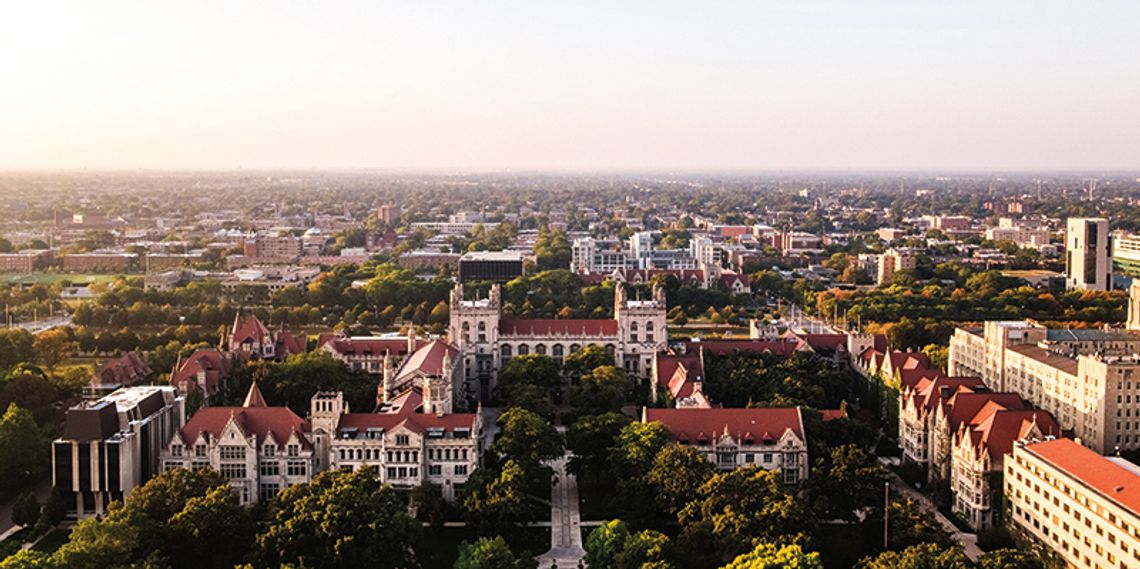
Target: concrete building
point(1086, 254)
point(1089, 380)
point(1024, 233)
point(770, 438)
point(274, 246)
point(494, 266)
point(389, 214)
point(892, 261)
point(1126, 254)
point(111, 446)
point(596, 256)
point(1074, 505)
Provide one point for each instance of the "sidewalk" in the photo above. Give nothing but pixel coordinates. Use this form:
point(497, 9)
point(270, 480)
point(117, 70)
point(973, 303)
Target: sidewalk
point(7, 528)
point(565, 522)
point(968, 541)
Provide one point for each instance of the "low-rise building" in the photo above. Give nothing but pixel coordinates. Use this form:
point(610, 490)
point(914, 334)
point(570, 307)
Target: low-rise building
point(111, 445)
point(770, 438)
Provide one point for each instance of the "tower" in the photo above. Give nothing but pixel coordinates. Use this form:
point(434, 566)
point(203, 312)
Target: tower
point(474, 331)
point(325, 410)
point(641, 329)
point(439, 390)
point(1087, 263)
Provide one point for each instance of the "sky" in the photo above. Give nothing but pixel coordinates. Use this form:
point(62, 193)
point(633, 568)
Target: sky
point(571, 86)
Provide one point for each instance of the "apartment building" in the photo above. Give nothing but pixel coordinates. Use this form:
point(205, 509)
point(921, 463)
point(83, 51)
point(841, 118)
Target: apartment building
point(892, 261)
point(1025, 233)
point(1087, 263)
point(770, 438)
point(1074, 505)
point(111, 445)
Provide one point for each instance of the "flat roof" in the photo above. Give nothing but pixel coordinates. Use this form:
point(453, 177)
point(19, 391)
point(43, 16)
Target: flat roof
point(492, 256)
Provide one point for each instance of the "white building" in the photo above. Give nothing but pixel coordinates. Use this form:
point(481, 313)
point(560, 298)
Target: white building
point(1087, 263)
point(111, 446)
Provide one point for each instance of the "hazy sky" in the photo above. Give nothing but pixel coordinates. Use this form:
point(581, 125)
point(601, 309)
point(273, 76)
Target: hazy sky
point(571, 85)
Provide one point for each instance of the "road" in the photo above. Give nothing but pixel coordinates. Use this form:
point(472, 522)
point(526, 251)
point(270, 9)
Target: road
point(44, 324)
point(565, 522)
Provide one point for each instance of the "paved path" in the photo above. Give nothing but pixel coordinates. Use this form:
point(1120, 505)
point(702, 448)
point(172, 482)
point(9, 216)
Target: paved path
point(968, 541)
point(565, 522)
point(42, 490)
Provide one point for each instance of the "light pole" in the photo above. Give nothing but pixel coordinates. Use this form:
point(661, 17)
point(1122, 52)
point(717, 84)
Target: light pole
point(886, 512)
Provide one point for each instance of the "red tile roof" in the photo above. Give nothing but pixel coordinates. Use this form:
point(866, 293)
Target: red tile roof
point(558, 327)
point(289, 344)
point(762, 424)
point(826, 342)
point(367, 346)
point(1105, 476)
point(973, 408)
point(249, 329)
point(1000, 429)
point(123, 370)
point(257, 422)
point(429, 359)
point(212, 364)
point(404, 410)
point(728, 347)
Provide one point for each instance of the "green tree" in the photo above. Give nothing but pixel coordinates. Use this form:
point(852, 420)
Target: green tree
point(677, 472)
point(1009, 559)
point(491, 553)
point(25, 510)
point(526, 438)
point(498, 502)
point(846, 480)
point(53, 347)
point(552, 250)
point(923, 556)
point(531, 369)
point(590, 439)
point(737, 506)
point(340, 519)
point(24, 450)
point(602, 390)
point(586, 359)
point(772, 556)
point(613, 545)
point(909, 524)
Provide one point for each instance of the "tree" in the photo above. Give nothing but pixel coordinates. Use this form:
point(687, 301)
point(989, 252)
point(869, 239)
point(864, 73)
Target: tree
point(613, 545)
point(25, 510)
point(677, 473)
point(552, 250)
point(923, 556)
point(526, 437)
point(845, 481)
point(590, 439)
point(531, 369)
point(586, 359)
point(491, 553)
point(602, 390)
point(53, 347)
point(340, 519)
point(605, 542)
point(430, 507)
point(1009, 559)
point(24, 450)
point(636, 448)
point(909, 524)
point(939, 355)
point(737, 506)
point(771, 556)
point(498, 502)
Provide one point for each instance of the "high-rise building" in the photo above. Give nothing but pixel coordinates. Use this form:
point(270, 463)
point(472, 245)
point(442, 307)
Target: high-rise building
point(1086, 254)
point(389, 214)
point(111, 445)
point(892, 261)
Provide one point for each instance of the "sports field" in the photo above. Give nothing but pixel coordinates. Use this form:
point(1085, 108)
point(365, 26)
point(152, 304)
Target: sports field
point(51, 278)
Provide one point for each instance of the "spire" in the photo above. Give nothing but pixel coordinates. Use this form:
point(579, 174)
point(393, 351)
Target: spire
point(254, 398)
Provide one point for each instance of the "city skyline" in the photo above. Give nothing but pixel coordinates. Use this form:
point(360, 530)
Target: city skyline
point(824, 86)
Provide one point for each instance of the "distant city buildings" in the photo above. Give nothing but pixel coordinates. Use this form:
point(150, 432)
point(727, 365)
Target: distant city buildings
point(493, 266)
point(1086, 254)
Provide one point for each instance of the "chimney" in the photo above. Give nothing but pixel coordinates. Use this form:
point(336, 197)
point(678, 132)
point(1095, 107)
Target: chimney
point(411, 339)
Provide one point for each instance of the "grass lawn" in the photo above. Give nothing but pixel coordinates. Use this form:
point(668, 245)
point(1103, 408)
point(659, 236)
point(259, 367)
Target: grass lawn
point(51, 278)
point(53, 540)
point(445, 544)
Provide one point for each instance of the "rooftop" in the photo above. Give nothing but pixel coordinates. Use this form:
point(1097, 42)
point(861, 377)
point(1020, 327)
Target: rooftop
point(1108, 478)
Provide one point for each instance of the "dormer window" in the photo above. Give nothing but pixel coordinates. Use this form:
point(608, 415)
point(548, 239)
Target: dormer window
point(199, 450)
point(269, 450)
point(175, 450)
point(401, 440)
point(294, 450)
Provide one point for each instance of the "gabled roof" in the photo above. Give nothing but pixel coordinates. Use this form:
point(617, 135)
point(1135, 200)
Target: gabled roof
point(123, 370)
point(254, 398)
point(289, 344)
point(728, 347)
point(429, 360)
point(211, 363)
point(249, 329)
point(824, 342)
point(998, 432)
point(558, 327)
point(971, 408)
point(258, 422)
point(760, 425)
point(1107, 477)
point(404, 410)
point(367, 346)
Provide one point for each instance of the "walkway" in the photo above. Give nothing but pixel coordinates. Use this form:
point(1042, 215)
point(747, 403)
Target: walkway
point(565, 522)
point(42, 491)
point(968, 541)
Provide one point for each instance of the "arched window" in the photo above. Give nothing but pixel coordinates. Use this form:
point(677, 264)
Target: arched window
point(540, 349)
point(482, 332)
point(505, 351)
point(633, 326)
point(574, 348)
point(557, 351)
point(610, 349)
point(523, 349)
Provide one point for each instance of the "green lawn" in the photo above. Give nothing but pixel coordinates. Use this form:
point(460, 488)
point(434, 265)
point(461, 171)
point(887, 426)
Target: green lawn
point(52, 278)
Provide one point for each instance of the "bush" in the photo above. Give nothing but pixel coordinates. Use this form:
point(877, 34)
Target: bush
point(26, 510)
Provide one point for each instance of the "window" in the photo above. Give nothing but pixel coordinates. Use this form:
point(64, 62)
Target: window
point(175, 450)
point(229, 452)
point(232, 471)
point(172, 464)
point(270, 468)
point(435, 470)
point(461, 470)
point(199, 450)
point(269, 450)
point(297, 468)
point(523, 349)
point(294, 450)
point(505, 351)
point(391, 472)
point(268, 491)
point(401, 439)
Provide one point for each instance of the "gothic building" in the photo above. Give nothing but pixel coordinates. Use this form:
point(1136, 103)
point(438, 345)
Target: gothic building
point(485, 340)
